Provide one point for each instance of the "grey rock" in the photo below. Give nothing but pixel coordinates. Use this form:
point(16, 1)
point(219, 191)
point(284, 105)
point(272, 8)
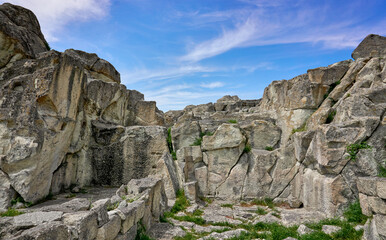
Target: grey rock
point(372, 46)
point(303, 229)
point(36, 218)
point(330, 229)
point(52, 230)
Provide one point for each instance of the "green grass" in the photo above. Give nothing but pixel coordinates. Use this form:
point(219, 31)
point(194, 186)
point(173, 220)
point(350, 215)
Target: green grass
point(174, 155)
point(381, 171)
point(181, 202)
point(141, 233)
point(202, 134)
point(302, 128)
point(190, 218)
point(198, 212)
point(227, 205)
point(268, 148)
point(232, 121)
point(197, 142)
point(247, 148)
point(353, 149)
point(330, 116)
point(11, 212)
point(264, 202)
point(112, 206)
point(261, 211)
point(207, 200)
point(354, 213)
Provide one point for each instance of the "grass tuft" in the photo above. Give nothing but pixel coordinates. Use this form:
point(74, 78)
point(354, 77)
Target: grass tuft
point(268, 148)
point(354, 148)
point(247, 148)
point(11, 212)
point(227, 205)
point(302, 128)
point(354, 213)
point(261, 211)
point(232, 121)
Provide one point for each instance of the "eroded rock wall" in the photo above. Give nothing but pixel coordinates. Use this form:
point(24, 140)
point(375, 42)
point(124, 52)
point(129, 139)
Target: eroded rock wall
point(292, 145)
point(65, 119)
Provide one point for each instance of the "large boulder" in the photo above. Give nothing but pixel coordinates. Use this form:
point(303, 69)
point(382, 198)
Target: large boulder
point(222, 151)
point(20, 34)
point(372, 46)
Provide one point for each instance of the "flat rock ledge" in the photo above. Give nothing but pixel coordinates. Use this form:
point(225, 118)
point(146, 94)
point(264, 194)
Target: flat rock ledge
point(137, 205)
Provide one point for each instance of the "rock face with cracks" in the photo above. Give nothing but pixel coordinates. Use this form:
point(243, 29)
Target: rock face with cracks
point(66, 122)
point(65, 119)
point(305, 142)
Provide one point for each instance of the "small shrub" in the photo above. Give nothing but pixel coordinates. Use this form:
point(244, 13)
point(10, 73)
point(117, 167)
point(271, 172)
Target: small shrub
point(227, 205)
point(331, 116)
point(268, 148)
point(11, 212)
point(354, 213)
point(353, 149)
point(261, 211)
point(232, 121)
point(247, 148)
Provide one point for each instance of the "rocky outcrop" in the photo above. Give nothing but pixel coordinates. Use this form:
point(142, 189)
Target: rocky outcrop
point(372, 46)
point(20, 34)
point(118, 217)
point(372, 196)
point(305, 142)
point(66, 121)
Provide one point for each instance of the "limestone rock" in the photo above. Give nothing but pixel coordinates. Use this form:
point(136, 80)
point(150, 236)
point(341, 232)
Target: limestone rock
point(330, 229)
point(53, 230)
point(372, 46)
point(303, 229)
point(20, 34)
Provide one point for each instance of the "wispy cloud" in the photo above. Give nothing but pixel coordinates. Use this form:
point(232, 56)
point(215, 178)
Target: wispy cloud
point(136, 75)
point(271, 22)
point(212, 85)
point(53, 15)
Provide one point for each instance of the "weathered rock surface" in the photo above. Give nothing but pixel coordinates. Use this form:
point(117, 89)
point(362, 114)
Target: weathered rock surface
point(296, 139)
point(143, 205)
point(65, 120)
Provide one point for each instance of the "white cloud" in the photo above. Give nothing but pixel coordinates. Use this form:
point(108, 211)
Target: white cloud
point(212, 85)
point(272, 23)
point(53, 15)
point(137, 75)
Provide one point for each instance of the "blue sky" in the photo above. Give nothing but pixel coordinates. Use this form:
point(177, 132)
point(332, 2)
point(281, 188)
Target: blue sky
point(181, 52)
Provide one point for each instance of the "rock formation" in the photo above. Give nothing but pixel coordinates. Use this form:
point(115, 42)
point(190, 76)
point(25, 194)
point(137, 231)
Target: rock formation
point(305, 142)
point(66, 122)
